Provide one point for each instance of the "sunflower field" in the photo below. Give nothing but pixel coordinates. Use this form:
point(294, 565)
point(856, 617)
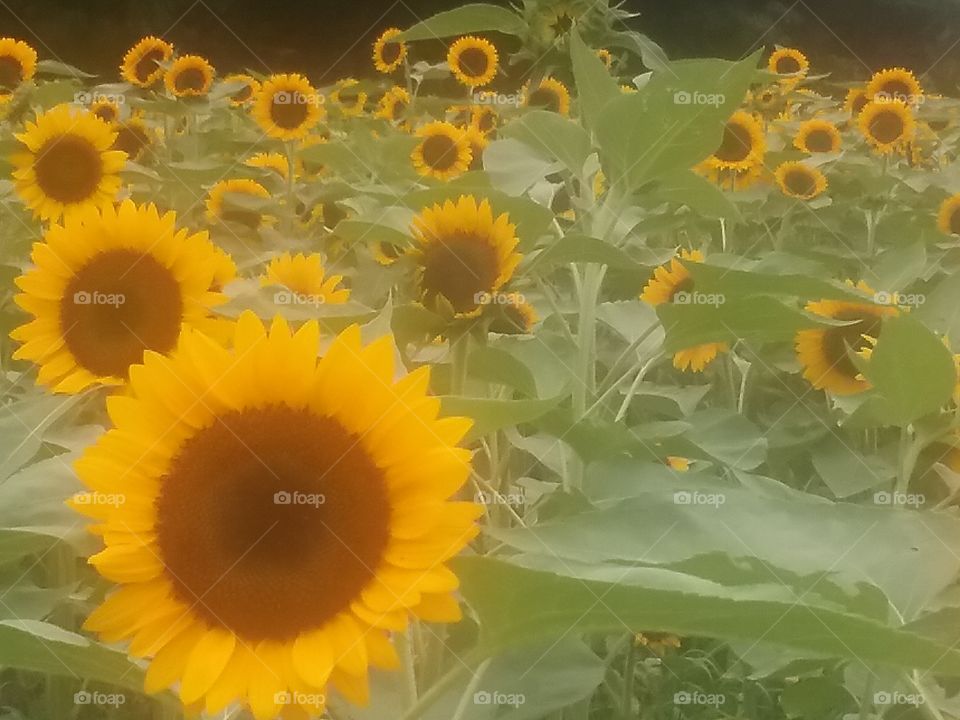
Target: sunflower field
point(544, 378)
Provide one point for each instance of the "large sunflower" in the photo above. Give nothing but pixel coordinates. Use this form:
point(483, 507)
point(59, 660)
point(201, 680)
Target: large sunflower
point(66, 165)
point(443, 152)
point(473, 61)
point(106, 287)
point(887, 125)
point(18, 63)
point(216, 205)
point(142, 63)
point(895, 84)
point(287, 107)
point(388, 52)
point(817, 136)
point(463, 252)
point(292, 513)
point(742, 146)
point(305, 276)
point(550, 94)
point(799, 180)
point(824, 353)
point(948, 219)
point(189, 76)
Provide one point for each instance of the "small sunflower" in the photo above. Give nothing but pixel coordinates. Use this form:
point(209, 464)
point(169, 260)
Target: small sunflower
point(387, 253)
point(287, 107)
point(393, 105)
point(189, 76)
point(769, 101)
point(818, 136)
point(216, 209)
point(733, 179)
point(306, 501)
point(515, 317)
point(550, 94)
point(388, 52)
point(948, 219)
point(18, 63)
point(348, 97)
point(473, 61)
point(463, 252)
point(106, 110)
point(825, 353)
point(742, 146)
point(277, 162)
point(799, 180)
point(478, 143)
point(134, 137)
point(443, 152)
point(67, 164)
point(248, 88)
point(887, 125)
point(142, 65)
point(105, 288)
point(484, 118)
point(895, 84)
point(789, 62)
point(304, 275)
point(855, 101)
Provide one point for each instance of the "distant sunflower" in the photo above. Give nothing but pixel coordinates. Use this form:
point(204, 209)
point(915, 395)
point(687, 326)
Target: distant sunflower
point(105, 288)
point(305, 275)
point(106, 110)
point(248, 88)
point(142, 65)
point(478, 143)
point(443, 152)
point(473, 61)
point(678, 464)
point(550, 94)
point(515, 317)
point(855, 101)
point(287, 107)
point(895, 84)
point(66, 165)
point(606, 57)
point(306, 501)
point(818, 136)
point(733, 180)
point(948, 219)
point(484, 117)
point(134, 137)
point(18, 63)
point(887, 125)
point(799, 180)
point(463, 251)
point(824, 352)
point(389, 52)
point(348, 97)
point(277, 162)
point(742, 146)
point(189, 76)
point(393, 105)
point(387, 253)
point(768, 101)
point(789, 62)
point(216, 205)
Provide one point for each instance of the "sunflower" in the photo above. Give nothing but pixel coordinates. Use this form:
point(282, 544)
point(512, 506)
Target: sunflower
point(134, 137)
point(799, 180)
point(515, 317)
point(484, 118)
point(895, 84)
point(304, 275)
point(444, 151)
point(189, 76)
point(948, 219)
point(677, 464)
point(824, 353)
point(106, 110)
point(855, 101)
point(887, 125)
point(347, 96)
point(305, 501)
point(106, 287)
point(817, 136)
point(742, 146)
point(287, 107)
point(463, 252)
point(789, 62)
point(389, 52)
point(605, 57)
point(478, 143)
point(216, 209)
point(142, 63)
point(733, 179)
point(248, 88)
point(66, 164)
point(550, 94)
point(473, 61)
point(18, 63)
point(277, 162)
point(387, 253)
point(769, 101)
point(657, 643)
point(394, 103)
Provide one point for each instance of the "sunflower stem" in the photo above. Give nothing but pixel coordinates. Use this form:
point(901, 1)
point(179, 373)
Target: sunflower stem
point(291, 195)
point(459, 356)
point(439, 688)
point(407, 661)
point(626, 702)
point(467, 698)
point(586, 360)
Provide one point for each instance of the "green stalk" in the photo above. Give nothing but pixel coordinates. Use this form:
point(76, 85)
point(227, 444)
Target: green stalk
point(439, 688)
point(467, 698)
point(407, 661)
point(586, 359)
point(459, 356)
point(626, 702)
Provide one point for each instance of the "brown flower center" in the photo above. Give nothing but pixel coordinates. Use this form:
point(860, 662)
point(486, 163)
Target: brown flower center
point(788, 65)
point(544, 98)
point(836, 340)
point(147, 65)
point(800, 183)
point(287, 111)
point(459, 267)
point(11, 72)
point(819, 141)
point(191, 79)
point(736, 145)
point(68, 168)
point(887, 126)
point(474, 62)
point(440, 152)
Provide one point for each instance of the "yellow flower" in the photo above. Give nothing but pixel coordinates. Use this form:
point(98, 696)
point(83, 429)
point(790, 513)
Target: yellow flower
point(304, 275)
point(106, 110)
point(270, 161)
point(142, 65)
point(887, 125)
point(348, 97)
point(248, 88)
point(817, 136)
point(801, 181)
point(216, 205)
point(789, 62)
point(134, 137)
point(287, 107)
point(394, 103)
point(443, 153)
point(189, 76)
point(948, 219)
point(895, 84)
point(550, 94)
point(514, 317)
point(18, 63)
point(473, 61)
point(743, 144)
point(387, 253)
point(478, 143)
point(606, 57)
point(388, 52)
point(484, 118)
point(855, 101)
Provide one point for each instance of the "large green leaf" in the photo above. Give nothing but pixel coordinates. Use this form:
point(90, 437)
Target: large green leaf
point(552, 136)
point(491, 415)
point(474, 18)
point(595, 86)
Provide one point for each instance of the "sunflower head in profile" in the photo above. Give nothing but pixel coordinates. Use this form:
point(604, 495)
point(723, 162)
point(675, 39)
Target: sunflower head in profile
point(463, 253)
point(818, 136)
point(394, 104)
point(134, 137)
point(549, 94)
point(895, 84)
point(247, 87)
point(855, 101)
point(443, 151)
point(478, 143)
point(66, 164)
point(887, 125)
point(306, 501)
point(824, 353)
point(388, 51)
point(143, 64)
point(473, 61)
point(305, 276)
point(742, 145)
point(273, 161)
point(106, 287)
point(515, 316)
point(799, 180)
point(789, 63)
point(189, 76)
point(288, 107)
point(218, 202)
point(18, 63)
point(348, 97)
point(948, 219)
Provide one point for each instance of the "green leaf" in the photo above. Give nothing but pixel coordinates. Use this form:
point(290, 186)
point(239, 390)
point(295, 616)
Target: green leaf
point(552, 136)
point(474, 18)
point(816, 698)
point(595, 86)
point(495, 365)
point(55, 67)
point(492, 415)
point(714, 278)
point(577, 248)
point(899, 266)
point(846, 470)
point(685, 187)
point(514, 167)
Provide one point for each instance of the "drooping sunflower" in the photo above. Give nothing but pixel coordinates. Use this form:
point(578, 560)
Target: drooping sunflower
point(855, 101)
point(216, 205)
point(789, 62)
point(106, 287)
point(306, 501)
point(799, 180)
point(287, 107)
point(515, 317)
point(248, 88)
point(106, 110)
point(948, 219)
point(895, 84)
point(305, 275)
point(478, 143)
point(66, 165)
point(134, 137)
point(887, 125)
point(443, 152)
point(394, 103)
point(462, 252)
point(142, 65)
point(277, 162)
point(742, 146)
point(348, 97)
point(388, 52)
point(473, 61)
point(825, 353)
point(189, 76)
point(550, 94)
point(818, 136)
point(667, 281)
point(18, 63)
